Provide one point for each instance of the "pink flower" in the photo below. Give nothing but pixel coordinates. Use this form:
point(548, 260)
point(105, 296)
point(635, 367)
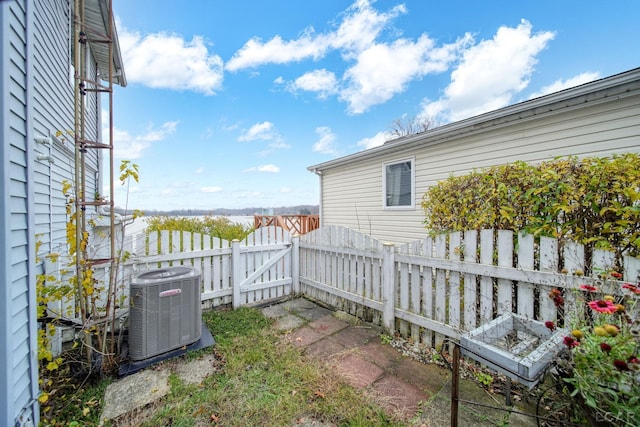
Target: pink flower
point(588, 288)
point(603, 306)
point(570, 342)
point(632, 288)
point(550, 325)
point(616, 275)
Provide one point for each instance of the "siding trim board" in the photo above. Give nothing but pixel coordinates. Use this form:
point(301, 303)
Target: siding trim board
point(18, 333)
point(5, 320)
point(32, 407)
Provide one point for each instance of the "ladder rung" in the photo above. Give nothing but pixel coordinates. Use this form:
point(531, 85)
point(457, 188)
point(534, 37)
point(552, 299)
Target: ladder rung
point(98, 261)
point(94, 203)
point(85, 143)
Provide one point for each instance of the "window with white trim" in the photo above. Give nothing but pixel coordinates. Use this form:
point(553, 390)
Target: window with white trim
point(399, 184)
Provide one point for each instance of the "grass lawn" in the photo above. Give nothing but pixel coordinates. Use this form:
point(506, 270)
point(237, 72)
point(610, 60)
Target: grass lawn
point(260, 381)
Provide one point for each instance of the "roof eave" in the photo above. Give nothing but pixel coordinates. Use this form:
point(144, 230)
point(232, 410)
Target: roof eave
point(102, 19)
point(520, 110)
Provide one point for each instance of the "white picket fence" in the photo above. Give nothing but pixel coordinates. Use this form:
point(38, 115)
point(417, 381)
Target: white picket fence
point(427, 290)
point(439, 287)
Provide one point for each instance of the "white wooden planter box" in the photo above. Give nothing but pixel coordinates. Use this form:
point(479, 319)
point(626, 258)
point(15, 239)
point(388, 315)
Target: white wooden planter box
point(518, 347)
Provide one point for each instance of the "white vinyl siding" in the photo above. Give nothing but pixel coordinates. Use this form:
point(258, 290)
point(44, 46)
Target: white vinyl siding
point(54, 112)
point(351, 189)
point(36, 100)
point(351, 197)
point(18, 365)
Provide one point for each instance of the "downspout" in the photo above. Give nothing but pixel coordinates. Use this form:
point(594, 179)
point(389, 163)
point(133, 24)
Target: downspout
point(320, 197)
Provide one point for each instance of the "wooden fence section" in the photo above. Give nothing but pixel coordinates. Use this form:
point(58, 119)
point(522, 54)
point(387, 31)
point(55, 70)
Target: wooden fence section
point(294, 224)
point(457, 282)
point(442, 286)
point(343, 268)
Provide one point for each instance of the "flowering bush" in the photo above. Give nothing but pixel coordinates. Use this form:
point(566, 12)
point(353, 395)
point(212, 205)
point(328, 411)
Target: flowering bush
point(604, 348)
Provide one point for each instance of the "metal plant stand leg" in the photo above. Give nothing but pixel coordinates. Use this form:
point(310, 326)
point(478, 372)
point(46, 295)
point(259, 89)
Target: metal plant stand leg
point(454, 386)
point(455, 390)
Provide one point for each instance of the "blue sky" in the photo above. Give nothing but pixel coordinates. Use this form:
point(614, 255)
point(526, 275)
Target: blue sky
point(229, 102)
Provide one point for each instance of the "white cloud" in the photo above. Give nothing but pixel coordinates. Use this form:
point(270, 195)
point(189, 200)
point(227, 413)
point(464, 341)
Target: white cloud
point(242, 195)
point(285, 190)
point(360, 26)
point(264, 168)
point(561, 85)
point(380, 70)
point(277, 51)
point(326, 143)
point(260, 131)
point(199, 171)
point(152, 134)
point(168, 61)
point(265, 131)
point(384, 70)
point(321, 81)
point(127, 147)
point(279, 144)
point(375, 141)
point(132, 147)
point(490, 73)
point(211, 189)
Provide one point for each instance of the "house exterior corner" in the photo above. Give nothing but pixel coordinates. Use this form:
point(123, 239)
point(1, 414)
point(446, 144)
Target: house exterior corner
point(37, 154)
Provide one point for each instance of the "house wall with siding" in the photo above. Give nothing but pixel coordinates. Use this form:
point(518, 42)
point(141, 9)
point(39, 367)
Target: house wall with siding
point(37, 99)
point(18, 348)
point(351, 192)
point(54, 112)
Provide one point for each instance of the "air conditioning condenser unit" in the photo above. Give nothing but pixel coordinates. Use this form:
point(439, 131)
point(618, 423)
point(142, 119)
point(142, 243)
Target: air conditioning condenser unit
point(165, 312)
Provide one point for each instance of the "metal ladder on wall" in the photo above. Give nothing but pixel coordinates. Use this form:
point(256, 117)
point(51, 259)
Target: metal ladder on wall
point(86, 142)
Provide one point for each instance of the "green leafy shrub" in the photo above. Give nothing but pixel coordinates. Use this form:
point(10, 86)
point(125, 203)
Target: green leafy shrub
point(593, 201)
point(219, 227)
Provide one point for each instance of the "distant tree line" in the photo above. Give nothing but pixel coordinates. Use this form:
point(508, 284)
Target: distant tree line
point(284, 210)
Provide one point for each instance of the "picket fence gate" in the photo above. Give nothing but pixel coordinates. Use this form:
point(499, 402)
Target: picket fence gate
point(243, 272)
point(427, 290)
